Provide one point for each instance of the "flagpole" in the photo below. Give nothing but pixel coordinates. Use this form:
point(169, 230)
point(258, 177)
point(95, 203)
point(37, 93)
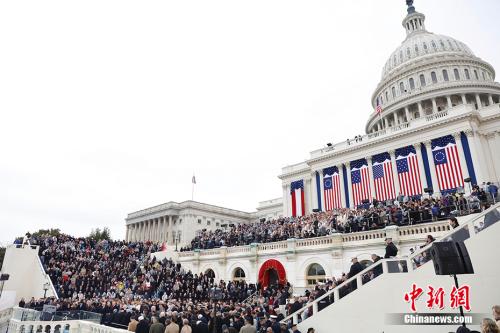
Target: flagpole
point(192, 192)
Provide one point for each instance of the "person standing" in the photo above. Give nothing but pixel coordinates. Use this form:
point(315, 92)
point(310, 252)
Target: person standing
point(132, 326)
point(156, 326)
point(390, 252)
point(172, 327)
point(185, 327)
point(248, 327)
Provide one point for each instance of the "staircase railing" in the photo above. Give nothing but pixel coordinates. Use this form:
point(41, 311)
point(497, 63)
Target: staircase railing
point(395, 265)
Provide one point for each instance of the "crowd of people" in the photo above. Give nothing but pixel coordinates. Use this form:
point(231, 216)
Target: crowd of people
point(378, 215)
point(124, 283)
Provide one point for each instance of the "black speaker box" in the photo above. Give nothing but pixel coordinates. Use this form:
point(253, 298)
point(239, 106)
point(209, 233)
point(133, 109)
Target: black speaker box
point(451, 258)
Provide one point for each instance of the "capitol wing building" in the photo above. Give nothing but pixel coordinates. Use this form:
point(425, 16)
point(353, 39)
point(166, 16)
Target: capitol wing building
point(436, 126)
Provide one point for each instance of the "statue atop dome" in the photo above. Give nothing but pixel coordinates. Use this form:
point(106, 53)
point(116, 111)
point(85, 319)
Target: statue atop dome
point(410, 9)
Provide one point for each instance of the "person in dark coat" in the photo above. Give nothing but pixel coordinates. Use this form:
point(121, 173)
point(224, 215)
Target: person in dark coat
point(142, 326)
point(356, 268)
point(201, 325)
point(378, 268)
point(390, 249)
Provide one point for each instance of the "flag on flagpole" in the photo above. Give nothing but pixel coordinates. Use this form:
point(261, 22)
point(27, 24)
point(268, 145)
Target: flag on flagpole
point(379, 107)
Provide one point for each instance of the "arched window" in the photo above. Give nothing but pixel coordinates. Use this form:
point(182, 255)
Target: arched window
point(475, 74)
point(416, 49)
point(445, 75)
point(412, 84)
point(386, 95)
point(467, 75)
point(434, 77)
point(401, 88)
point(456, 73)
point(408, 52)
point(422, 80)
point(442, 44)
point(484, 76)
point(425, 47)
point(434, 46)
point(315, 274)
point(393, 92)
point(401, 56)
point(239, 274)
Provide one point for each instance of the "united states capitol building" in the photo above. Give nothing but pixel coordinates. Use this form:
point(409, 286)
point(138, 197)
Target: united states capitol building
point(433, 90)
point(434, 130)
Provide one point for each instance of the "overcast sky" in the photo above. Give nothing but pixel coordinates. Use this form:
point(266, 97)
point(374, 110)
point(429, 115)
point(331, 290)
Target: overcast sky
point(108, 107)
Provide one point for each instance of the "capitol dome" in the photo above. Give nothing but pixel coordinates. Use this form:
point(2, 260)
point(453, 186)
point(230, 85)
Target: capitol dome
point(426, 74)
point(422, 44)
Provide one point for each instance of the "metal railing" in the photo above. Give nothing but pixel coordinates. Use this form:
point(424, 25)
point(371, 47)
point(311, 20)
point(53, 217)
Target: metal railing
point(395, 265)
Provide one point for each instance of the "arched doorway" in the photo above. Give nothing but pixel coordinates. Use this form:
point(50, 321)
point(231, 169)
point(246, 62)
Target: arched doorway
point(210, 273)
point(272, 273)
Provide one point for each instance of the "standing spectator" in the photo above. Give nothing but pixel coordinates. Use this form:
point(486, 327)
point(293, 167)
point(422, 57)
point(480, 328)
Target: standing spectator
point(489, 326)
point(172, 326)
point(496, 314)
point(132, 326)
point(248, 328)
point(142, 326)
point(493, 190)
point(356, 268)
point(156, 326)
point(390, 249)
point(185, 327)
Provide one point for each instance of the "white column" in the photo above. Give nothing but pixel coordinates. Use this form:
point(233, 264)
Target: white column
point(370, 175)
point(314, 192)
point(322, 189)
point(490, 99)
point(477, 157)
point(461, 156)
point(396, 122)
point(395, 172)
point(407, 113)
point(464, 99)
point(169, 236)
point(349, 184)
point(493, 140)
point(434, 106)
point(448, 100)
point(308, 195)
point(127, 233)
point(478, 101)
point(386, 122)
point(432, 167)
point(420, 110)
point(341, 175)
point(285, 200)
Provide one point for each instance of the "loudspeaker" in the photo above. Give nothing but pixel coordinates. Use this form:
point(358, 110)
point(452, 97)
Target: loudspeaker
point(451, 258)
point(467, 180)
point(4, 277)
point(316, 210)
point(366, 201)
point(428, 190)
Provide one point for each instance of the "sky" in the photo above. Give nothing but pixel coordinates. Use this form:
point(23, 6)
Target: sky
point(108, 107)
